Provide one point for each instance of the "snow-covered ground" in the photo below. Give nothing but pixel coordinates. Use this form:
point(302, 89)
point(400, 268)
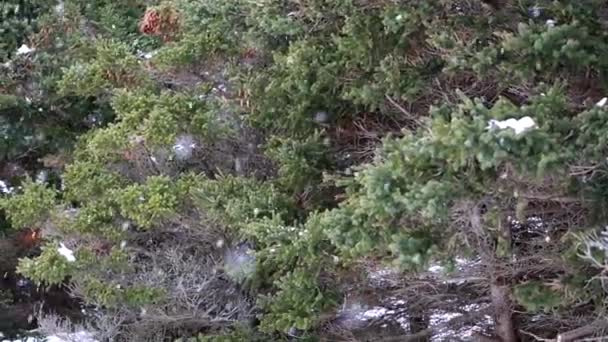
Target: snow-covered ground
point(81, 336)
point(390, 311)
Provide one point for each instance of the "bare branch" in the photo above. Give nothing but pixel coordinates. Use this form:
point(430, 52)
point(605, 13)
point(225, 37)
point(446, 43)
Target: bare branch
point(584, 331)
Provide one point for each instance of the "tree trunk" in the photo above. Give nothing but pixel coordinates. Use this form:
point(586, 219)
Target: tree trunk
point(419, 321)
point(503, 316)
point(494, 257)
point(500, 289)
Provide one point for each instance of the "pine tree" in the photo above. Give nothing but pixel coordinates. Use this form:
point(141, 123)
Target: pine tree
point(411, 134)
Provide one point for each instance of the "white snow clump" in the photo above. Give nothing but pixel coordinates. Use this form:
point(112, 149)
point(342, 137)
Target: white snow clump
point(518, 125)
point(66, 252)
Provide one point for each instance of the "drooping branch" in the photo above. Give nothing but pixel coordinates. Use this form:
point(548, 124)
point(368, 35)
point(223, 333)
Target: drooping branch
point(417, 337)
point(553, 198)
point(577, 334)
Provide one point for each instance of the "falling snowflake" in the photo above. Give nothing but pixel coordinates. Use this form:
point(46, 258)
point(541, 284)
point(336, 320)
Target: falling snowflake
point(42, 177)
point(125, 226)
point(184, 147)
point(535, 11)
point(518, 125)
point(321, 117)
point(60, 8)
point(240, 262)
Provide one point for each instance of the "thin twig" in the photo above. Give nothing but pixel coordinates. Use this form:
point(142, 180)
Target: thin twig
point(594, 339)
point(553, 198)
point(403, 110)
point(537, 338)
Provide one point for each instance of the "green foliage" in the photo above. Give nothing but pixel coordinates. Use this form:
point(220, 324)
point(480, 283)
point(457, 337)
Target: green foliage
point(49, 268)
point(113, 66)
point(113, 295)
point(95, 218)
point(284, 246)
point(402, 202)
point(150, 203)
point(297, 303)
point(239, 201)
point(103, 145)
point(18, 19)
point(535, 296)
point(30, 207)
point(293, 258)
point(414, 251)
point(371, 67)
point(38, 120)
point(6, 298)
point(119, 20)
point(550, 48)
point(569, 40)
point(160, 118)
point(592, 138)
point(239, 334)
point(301, 162)
point(88, 181)
point(26, 130)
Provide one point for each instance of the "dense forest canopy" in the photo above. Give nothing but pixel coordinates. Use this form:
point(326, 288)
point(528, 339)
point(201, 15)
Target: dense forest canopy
point(271, 170)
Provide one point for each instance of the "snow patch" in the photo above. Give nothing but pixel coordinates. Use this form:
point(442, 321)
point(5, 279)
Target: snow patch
point(352, 316)
point(80, 336)
point(5, 188)
point(443, 317)
point(436, 269)
point(602, 102)
point(376, 312)
point(382, 276)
